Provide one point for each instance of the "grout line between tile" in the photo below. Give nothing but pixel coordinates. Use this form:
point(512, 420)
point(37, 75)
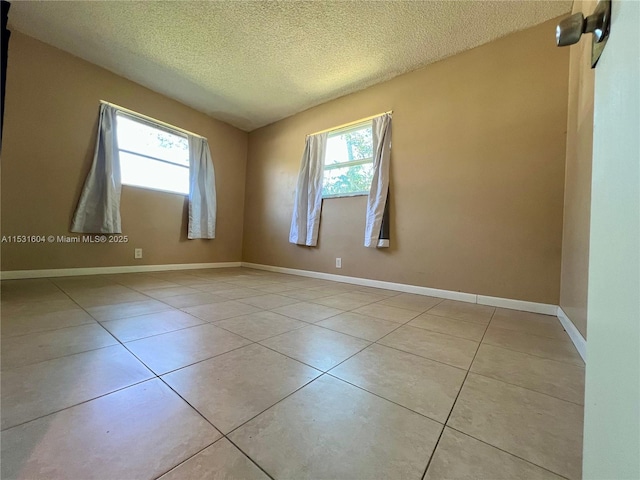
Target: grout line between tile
point(152, 377)
point(384, 398)
point(505, 451)
point(251, 459)
point(420, 356)
point(322, 372)
point(533, 354)
point(526, 388)
point(189, 458)
point(271, 406)
point(453, 405)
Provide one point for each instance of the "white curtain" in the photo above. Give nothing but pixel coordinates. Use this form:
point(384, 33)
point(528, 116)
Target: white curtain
point(308, 201)
point(202, 190)
point(378, 195)
point(98, 210)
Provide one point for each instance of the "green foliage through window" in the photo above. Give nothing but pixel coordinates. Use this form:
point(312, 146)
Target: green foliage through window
point(349, 162)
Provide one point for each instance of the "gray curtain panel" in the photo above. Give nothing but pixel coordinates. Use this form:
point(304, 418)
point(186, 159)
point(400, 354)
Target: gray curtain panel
point(98, 210)
point(202, 190)
point(308, 199)
point(377, 221)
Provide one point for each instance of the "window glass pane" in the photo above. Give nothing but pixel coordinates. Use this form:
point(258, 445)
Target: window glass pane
point(142, 138)
point(347, 180)
point(145, 172)
point(355, 144)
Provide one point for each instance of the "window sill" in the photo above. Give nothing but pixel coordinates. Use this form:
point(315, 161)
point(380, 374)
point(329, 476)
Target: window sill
point(346, 195)
point(155, 190)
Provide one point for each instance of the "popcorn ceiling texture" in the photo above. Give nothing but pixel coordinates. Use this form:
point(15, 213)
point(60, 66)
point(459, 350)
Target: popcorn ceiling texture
point(253, 63)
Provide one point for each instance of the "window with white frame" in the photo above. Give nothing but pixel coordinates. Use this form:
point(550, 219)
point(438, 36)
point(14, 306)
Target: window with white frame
point(348, 162)
point(152, 155)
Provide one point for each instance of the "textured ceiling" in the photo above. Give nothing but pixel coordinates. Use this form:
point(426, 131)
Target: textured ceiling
point(253, 63)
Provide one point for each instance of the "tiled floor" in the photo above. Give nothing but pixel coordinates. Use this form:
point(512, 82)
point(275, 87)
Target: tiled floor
point(245, 374)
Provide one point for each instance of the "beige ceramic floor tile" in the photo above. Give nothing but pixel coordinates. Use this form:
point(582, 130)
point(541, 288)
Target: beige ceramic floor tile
point(558, 379)
point(260, 326)
point(526, 322)
point(268, 301)
point(233, 388)
point(237, 292)
point(469, 312)
point(221, 311)
point(31, 290)
point(346, 301)
point(330, 430)
point(216, 287)
point(307, 312)
point(454, 351)
point(249, 282)
point(12, 309)
point(306, 294)
point(409, 301)
point(220, 461)
point(377, 291)
point(316, 283)
point(150, 284)
point(449, 326)
point(558, 349)
point(27, 296)
point(31, 285)
point(22, 325)
point(461, 457)
point(35, 390)
point(333, 430)
point(160, 293)
point(141, 281)
point(124, 310)
point(193, 300)
point(163, 353)
point(538, 428)
point(278, 287)
point(82, 281)
point(135, 328)
point(38, 347)
point(187, 280)
point(193, 281)
point(387, 312)
point(422, 385)
point(95, 297)
point(321, 348)
point(333, 288)
point(139, 432)
point(361, 326)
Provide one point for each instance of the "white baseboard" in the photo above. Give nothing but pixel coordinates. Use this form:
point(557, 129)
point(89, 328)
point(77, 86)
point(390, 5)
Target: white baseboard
point(70, 272)
point(522, 305)
point(543, 308)
point(575, 336)
point(366, 282)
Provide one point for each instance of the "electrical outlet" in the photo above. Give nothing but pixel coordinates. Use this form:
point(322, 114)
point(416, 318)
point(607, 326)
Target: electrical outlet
point(338, 263)
point(137, 253)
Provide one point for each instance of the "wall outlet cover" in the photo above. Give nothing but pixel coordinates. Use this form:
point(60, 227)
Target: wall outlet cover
point(137, 253)
point(338, 263)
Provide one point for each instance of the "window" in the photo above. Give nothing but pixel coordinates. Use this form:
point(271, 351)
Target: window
point(152, 156)
point(348, 161)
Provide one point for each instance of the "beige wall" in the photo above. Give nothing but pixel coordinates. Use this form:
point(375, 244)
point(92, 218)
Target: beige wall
point(49, 136)
point(577, 190)
point(477, 176)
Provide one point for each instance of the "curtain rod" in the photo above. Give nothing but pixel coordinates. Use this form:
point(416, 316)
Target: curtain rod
point(150, 119)
point(355, 122)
